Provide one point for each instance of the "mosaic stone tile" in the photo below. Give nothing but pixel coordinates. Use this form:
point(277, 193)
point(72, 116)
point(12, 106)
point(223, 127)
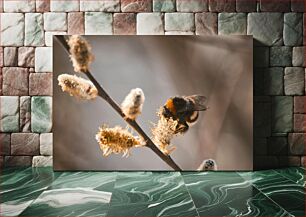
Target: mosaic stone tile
point(100, 5)
point(191, 5)
point(266, 28)
point(66, 6)
point(297, 5)
point(280, 56)
point(10, 56)
point(15, 81)
point(221, 5)
point(303, 162)
point(71, 202)
point(150, 24)
point(283, 191)
point(76, 23)
point(294, 81)
point(274, 81)
point(19, 187)
point(163, 5)
point(102, 181)
point(299, 123)
point(55, 21)
point(296, 143)
point(17, 161)
point(246, 5)
point(25, 113)
point(19, 6)
point(206, 23)
point(179, 206)
point(42, 161)
point(75, 194)
point(299, 104)
point(179, 22)
point(124, 24)
point(5, 144)
point(293, 29)
point(1, 56)
point(232, 23)
point(136, 5)
point(151, 194)
point(9, 114)
point(270, 6)
point(12, 24)
point(215, 194)
point(41, 114)
point(40, 84)
point(24, 144)
point(97, 23)
point(43, 59)
point(282, 117)
point(26, 56)
point(42, 5)
point(46, 144)
point(34, 29)
point(298, 56)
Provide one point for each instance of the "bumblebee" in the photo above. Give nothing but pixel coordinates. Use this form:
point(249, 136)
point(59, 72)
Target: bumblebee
point(185, 110)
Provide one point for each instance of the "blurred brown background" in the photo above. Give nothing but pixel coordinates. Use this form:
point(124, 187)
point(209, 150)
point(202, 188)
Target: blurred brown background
point(217, 67)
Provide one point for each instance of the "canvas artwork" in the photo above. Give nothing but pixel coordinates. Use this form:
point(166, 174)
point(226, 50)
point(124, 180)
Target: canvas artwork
point(153, 103)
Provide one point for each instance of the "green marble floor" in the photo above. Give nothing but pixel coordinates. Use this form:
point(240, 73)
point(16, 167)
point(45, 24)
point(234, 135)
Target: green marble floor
point(42, 192)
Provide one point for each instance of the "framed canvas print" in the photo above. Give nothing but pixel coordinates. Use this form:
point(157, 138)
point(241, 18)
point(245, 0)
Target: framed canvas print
point(153, 103)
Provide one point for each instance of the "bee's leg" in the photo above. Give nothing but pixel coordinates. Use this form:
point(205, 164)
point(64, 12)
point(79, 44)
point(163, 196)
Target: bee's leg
point(182, 128)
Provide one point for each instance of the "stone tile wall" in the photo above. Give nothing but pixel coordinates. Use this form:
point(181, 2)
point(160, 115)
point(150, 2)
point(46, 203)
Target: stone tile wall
point(27, 27)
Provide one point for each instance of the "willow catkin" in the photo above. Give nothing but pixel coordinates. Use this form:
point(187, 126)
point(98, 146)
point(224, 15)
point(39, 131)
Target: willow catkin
point(132, 104)
point(80, 53)
point(77, 86)
point(208, 165)
point(163, 132)
point(116, 140)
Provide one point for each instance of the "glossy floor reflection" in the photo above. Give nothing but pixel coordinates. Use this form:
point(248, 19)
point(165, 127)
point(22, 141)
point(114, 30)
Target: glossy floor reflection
point(42, 192)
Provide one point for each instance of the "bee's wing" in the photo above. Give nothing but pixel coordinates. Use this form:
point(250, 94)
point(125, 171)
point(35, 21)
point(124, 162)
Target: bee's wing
point(200, 102)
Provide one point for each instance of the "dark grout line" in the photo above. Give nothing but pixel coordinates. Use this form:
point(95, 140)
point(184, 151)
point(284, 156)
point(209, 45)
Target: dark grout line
point(110, 200)
point(189, 194)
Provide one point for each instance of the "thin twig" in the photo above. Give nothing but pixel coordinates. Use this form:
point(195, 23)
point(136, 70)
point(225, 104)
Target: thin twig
point(103, 94)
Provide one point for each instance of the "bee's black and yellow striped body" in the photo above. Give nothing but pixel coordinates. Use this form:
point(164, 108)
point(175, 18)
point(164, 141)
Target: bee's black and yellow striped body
point(185, 110)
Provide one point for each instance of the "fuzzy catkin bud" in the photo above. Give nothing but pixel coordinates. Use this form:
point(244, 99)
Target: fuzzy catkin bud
point(132, 104)
point(116, 140)
point(77, 87)
point(80, 53)
point(208, 165)
point(163, 132)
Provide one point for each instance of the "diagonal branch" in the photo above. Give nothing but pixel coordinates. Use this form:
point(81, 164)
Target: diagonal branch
point(103, 94)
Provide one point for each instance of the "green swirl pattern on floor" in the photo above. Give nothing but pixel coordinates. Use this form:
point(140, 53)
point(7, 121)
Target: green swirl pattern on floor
point(42, 192)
